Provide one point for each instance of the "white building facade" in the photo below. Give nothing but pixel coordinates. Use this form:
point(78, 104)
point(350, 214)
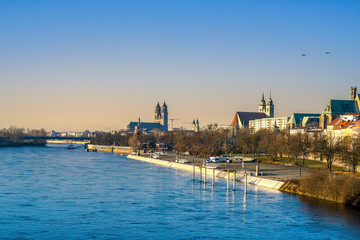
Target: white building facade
point(269, 123)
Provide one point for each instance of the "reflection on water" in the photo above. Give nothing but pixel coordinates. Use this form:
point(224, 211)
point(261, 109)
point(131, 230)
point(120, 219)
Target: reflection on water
point(331, 210)
point(55, 193)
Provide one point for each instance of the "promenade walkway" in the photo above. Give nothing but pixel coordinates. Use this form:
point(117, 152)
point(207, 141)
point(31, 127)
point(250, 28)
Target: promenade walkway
point(269, 171)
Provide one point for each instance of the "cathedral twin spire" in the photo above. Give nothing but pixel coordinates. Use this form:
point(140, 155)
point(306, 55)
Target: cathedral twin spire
point(161, 115)
point(267, 108)
point(158, 109)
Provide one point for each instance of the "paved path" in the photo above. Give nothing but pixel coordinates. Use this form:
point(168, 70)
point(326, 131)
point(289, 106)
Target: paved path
point(270, 171)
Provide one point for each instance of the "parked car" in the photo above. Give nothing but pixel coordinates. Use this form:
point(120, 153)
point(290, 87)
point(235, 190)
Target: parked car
point(182, 161)
point(162, 153)
point(154, 155)
point(235, 160)
point(217, 159)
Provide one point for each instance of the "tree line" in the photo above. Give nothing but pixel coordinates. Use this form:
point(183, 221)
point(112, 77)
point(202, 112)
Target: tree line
point(14, 136)
point(273, 144)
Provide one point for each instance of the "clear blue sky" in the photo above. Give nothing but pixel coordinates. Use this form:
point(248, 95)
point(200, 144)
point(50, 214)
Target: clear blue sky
point(75, 65)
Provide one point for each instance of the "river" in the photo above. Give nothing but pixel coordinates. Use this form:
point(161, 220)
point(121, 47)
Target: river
point(56, 193)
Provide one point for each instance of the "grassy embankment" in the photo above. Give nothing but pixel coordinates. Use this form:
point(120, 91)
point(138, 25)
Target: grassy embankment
point(328, 186)
point(339, 186)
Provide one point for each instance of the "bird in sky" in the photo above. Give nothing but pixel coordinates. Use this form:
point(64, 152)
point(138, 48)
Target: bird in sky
point(327, 52)
point(303, 54)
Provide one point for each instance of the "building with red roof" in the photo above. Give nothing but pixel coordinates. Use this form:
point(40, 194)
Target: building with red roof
point(347, 125)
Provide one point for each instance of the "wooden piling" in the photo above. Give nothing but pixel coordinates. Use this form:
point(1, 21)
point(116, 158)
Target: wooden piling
point(228, 179)
point(213, 177)
point(234, 181)
point(200, 173)
point(245, 183)
point(205, 175)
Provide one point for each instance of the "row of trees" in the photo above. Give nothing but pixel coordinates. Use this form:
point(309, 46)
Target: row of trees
point(15, 135)
point(134, 140)
point(215, 141)
point(316, 145)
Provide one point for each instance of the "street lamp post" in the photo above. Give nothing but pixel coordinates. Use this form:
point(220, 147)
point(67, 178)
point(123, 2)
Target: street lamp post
point(300, 165)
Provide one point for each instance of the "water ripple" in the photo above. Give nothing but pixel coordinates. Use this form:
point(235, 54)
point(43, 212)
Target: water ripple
point(54, 193)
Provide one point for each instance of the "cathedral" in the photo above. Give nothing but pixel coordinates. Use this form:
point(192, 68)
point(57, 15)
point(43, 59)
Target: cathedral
point(161, 115)
point(160, 121)
point(242, 119)
point(195, 125)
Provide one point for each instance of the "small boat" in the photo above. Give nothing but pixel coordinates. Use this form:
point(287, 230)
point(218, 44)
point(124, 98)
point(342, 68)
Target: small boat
point(71, 146)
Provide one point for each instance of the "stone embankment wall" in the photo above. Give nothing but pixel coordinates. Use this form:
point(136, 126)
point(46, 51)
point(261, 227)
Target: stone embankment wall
point(113, 149)
point(67, 141)
point(218, 173)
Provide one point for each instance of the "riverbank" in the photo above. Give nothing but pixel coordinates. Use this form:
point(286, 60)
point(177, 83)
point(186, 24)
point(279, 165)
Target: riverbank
point(283, 181)
point(68, 141)
point(320, 185)
point(259, 181)
point(111, 149)
point(23, 144)
point(327, 186)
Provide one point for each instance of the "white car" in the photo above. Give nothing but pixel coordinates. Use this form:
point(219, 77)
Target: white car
point(155, 155)
point(235, 160)
point(161, 153)
point(217, 159)
point(182, 161)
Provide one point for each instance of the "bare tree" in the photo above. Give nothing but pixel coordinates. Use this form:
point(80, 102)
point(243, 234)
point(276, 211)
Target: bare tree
point(330, 146)
point(317, 145)
point(350, 151)
point(355, 150)
point(15, 134)
point(305, 145)
point(134, 142)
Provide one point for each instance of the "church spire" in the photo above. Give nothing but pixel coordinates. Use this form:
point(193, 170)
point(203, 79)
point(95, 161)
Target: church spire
point(262, 105)
point(270, 107)
point(270, 102)
point(262, 102)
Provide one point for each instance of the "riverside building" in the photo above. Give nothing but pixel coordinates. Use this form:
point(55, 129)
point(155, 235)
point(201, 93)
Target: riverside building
point(279, 123)
point(242, 119)
point(335, 108)
point(160, 122)
point(263, 119)
point(347, 125)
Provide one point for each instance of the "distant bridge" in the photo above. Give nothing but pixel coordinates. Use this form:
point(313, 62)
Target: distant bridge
point(55, 138)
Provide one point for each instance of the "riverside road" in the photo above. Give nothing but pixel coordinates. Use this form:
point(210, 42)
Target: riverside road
point(270, 171)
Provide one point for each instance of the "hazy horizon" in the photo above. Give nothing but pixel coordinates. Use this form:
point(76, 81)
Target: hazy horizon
point(76, 65)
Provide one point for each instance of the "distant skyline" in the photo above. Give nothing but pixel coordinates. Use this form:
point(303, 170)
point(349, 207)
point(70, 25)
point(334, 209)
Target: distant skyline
point(97, 65)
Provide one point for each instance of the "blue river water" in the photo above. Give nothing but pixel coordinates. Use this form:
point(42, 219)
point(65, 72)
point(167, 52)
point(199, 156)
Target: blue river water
point(56, 193)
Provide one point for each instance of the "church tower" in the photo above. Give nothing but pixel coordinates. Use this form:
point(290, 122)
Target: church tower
point(262, 105)
point(353, 93)
point(158, 113)
point(164, 116)
point(270, 108)
point(196, 125)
